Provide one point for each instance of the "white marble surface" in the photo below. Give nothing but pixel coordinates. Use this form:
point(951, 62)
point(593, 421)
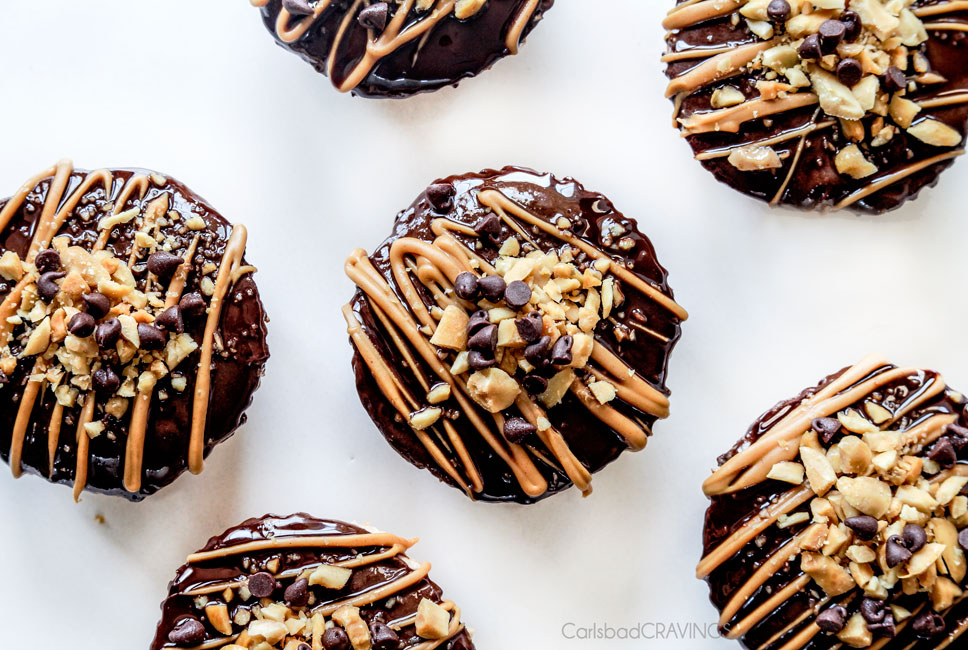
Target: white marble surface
point(199, 91)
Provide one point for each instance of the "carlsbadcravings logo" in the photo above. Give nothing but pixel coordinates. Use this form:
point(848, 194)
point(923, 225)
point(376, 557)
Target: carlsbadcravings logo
point(647, 631)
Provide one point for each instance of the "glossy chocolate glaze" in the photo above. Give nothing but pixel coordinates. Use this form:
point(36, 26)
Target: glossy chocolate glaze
point(192, 576)
point(816, 184)
point(235, 376)
point(455, 49)
point(730, 512)
point(548, 197)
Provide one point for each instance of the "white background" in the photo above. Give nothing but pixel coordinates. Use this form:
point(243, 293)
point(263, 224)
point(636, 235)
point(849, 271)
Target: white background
point(198, 90)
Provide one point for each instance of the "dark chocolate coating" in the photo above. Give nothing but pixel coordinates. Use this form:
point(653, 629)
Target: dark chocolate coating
point(236, 373)
point(817, 185)
point(593, 443)
point(455, 50)
point(190, 576)
point(730, 512)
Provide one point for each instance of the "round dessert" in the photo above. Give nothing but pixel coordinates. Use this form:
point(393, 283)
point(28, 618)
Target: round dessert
point(400, 48)
point(821, 104)
point(513, 335)
point(841, 518)
point(301, 583)
point(131, 332)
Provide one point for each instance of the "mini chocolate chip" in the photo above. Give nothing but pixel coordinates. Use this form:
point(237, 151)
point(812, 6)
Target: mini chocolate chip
point(477, 320)
point(914, 537)
point(826, 428)
point(485, 340)
point(492, 287)
point(943, 453)
point(98, 305)
point(928, 624)
point(530, 327)
point(335, 638)
point(106, 380)
point(886, 628)
point(151, 337)
point(896, 553)
point(192, 305)
point(534, 384)
point(849, 72)
point(517, 294)
point(810, 48)
point(480, 360)
point(304, 646)
point(872, 610)
point(466, 286)
point(297, 594)
point(779, 11)
point(517, 429)
point(894, 80)
point(832, 619)
point(958, 436)
point(188, 631)
point(963, 540)
point(851, 21)
point(832, 33)
point(298, 7)
point(81, 325)
point(561, 352)
point(164, 264)
point(261, 585)
point(107, 333)
point(47, 287)
point(48, 260)
point(375, 16)
point(489, 229)
point(171, 319)
point(537, 353)
point(383, 637)
point(441, 196)
point(864, 526)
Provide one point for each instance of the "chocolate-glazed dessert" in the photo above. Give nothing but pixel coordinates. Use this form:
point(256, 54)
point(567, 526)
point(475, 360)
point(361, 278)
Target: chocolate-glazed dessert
point(131, 331)
point(402, 47)
point(513, 335)
point(841, 518)
point(301, 583)
point(821, 104)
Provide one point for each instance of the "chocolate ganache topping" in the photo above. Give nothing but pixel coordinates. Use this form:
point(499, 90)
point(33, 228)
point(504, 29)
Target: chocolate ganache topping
point(301, 583)
point(401, 47)
point(841, 518)
point(131, 332)
point(512, 336)
point(821, 103)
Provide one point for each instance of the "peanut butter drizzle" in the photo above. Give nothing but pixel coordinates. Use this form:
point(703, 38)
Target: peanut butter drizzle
point(897, 176)
point(31, 391)
point(947, 27)
point(793, 165)
point(941, 8)
point(231, 259)
point(442, 261)
point(716, 68)
point(730, 120)
point(694, 53)
point(305, 541)
point(394, 36)
point(53, 435)
point(83, 444)
point(768, 607)
point(691, 13)
point(950, 98)
point(792, 134)
point(380, 593)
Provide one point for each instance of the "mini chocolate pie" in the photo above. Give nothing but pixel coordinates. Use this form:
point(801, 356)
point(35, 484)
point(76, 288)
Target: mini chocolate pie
point(512, 336)
point(402, 47)
point(131, 332)
point(298, 583)
point(841, 518)
point(821, 103)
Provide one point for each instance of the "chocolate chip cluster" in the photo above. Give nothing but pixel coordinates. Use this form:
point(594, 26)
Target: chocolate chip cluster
point(267, 615)
point(85, 325)
point(861, 61)
point(885, 518)
point(522, 326)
